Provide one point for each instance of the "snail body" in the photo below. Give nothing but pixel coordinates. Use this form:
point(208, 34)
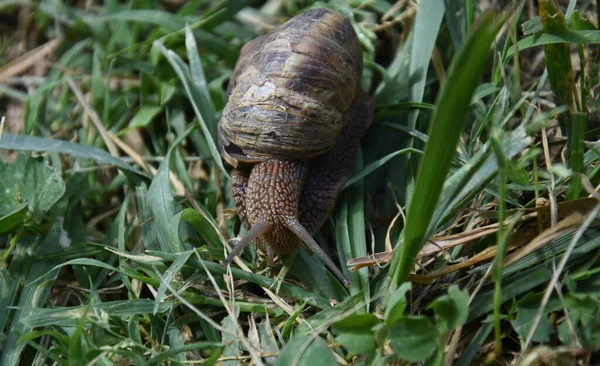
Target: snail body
point(291, 127)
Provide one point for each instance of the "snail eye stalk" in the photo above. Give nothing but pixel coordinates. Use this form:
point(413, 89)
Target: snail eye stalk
point(256, 230)
point(295, 227)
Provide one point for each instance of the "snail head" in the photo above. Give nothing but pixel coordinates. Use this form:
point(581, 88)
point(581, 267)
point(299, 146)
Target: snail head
point(268, 205)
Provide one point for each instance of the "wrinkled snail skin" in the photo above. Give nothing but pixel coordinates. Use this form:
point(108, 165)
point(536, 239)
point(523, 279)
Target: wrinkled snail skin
point(291, 129)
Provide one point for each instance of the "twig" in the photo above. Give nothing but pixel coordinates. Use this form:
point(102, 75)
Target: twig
point(24, 62)
point(553, 209)
point(2, 126)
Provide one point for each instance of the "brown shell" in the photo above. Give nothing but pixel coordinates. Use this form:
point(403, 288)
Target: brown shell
point(290, 89)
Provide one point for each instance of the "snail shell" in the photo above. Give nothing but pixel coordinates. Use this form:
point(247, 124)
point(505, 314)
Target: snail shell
point(290, 89)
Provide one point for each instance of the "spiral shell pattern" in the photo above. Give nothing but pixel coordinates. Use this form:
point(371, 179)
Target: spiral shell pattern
point(290, 89)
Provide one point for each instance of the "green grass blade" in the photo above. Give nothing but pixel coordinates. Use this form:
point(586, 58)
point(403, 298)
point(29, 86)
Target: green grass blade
point(568, 36)
point(162, 233)
point(194, 94)
point(467, 356)
point(169, 21)
point(511, 286)
point(46, 144)
point(232, 345)
point(169, 275)
point(415, 133)
point(356, 226)
point(447, 124)
point(325, 317)
point(470, 179)
point(343, 243)
point(199, 80)
point(9, 284)
point(558, 59)
point(285, 289)
point(365, 171)
point(76, 356)
point(70, 315)
point(159, 206)
point(427, 25)
point(589, 242)
point(204, 224)
point(313, 274)
point(32, 296)
point(305, 350)
point(176, 351)
point(579, 122)
point(96, 263)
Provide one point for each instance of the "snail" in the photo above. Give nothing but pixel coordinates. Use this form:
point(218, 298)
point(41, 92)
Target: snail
point(291, 129)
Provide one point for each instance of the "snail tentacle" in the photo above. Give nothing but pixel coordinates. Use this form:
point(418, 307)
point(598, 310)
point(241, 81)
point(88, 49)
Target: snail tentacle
point(256, 230)
point(294, 226)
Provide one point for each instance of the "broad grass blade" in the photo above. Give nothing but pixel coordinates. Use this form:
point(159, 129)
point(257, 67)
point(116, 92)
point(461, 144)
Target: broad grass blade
point(446, 126)
point(46, 144)
point(32, 296)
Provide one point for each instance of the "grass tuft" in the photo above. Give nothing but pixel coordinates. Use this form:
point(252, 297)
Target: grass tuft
point(116, 207)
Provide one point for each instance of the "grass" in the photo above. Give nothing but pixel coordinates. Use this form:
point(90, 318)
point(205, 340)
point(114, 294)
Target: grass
point(469, 229)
